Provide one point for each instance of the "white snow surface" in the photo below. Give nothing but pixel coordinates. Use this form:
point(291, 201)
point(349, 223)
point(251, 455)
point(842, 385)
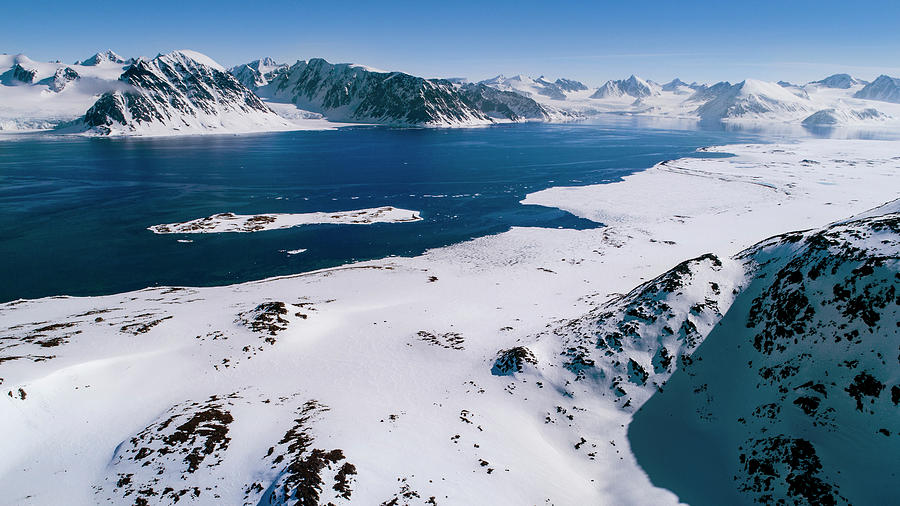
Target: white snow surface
point(390, 360)
point(199, 58)
point(230, 222)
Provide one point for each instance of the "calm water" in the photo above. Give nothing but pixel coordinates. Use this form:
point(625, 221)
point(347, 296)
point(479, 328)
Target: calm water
point(74, 212)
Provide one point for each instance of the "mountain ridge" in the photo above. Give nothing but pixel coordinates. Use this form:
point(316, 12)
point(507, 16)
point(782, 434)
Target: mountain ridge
point(178, 90)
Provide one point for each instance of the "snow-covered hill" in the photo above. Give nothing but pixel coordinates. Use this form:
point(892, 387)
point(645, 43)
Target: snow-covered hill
point(792, 398)
point(628, 347)
point(184, 92)
point(830, 117)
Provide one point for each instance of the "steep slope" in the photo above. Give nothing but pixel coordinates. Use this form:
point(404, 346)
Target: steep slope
point(346, 92)
point(884, 88)
point(631, 87)
point(18, 75)
point(627, 348)
point(793, 397)
point(61, 78)
point(182, 91)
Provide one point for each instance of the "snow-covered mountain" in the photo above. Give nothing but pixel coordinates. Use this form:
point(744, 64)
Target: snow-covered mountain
point(41, 95)
point(317, 94)
point(825, 102)
point(504, 105)
point(61, 78)
point(570, 84)
point(183, 91)
point(536, 88)
point(396, 102)
point(792, 398)
point(750, 99)
point(841, 81)
point(18, 75)
point(108, 56)
point(884, 88)
point(632, 87)
point(354, 93)
point(257, 73)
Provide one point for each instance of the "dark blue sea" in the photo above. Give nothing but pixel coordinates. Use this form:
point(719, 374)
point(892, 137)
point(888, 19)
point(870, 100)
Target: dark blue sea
point(74, 212)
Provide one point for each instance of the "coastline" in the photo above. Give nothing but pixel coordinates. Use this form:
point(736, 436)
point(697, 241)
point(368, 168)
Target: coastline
point(381, 338)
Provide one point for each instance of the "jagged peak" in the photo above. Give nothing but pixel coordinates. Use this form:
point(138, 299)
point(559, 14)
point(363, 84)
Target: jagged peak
point(266, 61)
point(107, 56)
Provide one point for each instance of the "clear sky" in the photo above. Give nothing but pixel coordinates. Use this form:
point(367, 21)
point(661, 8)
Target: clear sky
point(794, 40)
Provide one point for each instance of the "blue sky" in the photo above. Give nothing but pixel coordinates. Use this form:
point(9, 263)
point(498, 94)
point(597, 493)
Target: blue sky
point(795, 40)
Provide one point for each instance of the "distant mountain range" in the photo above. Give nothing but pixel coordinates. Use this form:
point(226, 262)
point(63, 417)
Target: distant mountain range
point(188, 92)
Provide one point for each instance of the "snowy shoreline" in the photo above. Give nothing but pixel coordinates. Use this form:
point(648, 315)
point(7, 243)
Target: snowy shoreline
point(390, 361)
